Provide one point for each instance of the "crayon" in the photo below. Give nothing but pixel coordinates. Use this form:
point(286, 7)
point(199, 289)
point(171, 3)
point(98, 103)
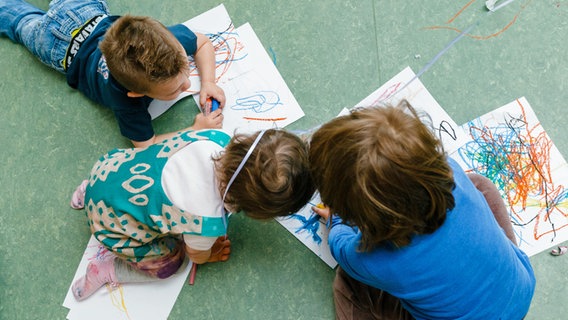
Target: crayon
point(214, 104)
point(192, 273)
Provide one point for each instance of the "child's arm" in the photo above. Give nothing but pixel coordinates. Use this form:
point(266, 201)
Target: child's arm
point(206, 64)
point(220, 251)
point(212, 120)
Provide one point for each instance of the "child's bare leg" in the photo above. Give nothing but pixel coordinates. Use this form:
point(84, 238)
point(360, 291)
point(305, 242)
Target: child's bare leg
point(496, 203)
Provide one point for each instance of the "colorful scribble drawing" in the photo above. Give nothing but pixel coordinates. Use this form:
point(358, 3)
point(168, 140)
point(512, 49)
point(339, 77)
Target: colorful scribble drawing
point(448, 24)
point(518, 156)
point(258, 97)
point(228, 50)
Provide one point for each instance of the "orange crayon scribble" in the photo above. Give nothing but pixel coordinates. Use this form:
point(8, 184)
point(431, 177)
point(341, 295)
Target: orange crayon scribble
point(534, 177)
point(264, 119)
point(228, 48)
point(517, 156)
point(460, 12)
point(477, 37)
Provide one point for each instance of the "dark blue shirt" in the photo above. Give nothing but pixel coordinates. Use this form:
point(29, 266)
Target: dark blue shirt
point(89, 74)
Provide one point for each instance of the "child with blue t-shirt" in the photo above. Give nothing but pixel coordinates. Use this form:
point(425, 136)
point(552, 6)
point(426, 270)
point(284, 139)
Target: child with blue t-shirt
point(151, 207)
point(120, 62)
point(414, 235)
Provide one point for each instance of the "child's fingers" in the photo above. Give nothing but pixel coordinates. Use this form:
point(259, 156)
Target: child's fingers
point(224, 253)
point(322, 212)
point(203, 101)
point(222, 101)
point(217, 118)
point(215, 114)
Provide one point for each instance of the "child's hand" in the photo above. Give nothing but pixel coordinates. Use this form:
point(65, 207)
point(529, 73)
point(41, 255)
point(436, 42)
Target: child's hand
point(322, 211)
point(211, 90)
point(214, 120)
point(221, 250)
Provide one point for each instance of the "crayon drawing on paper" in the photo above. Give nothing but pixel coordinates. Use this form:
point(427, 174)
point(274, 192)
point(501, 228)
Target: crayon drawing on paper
point(307, 227)
point(510, 147)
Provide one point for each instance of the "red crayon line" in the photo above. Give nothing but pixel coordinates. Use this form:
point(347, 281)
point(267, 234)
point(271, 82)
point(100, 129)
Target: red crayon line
point(264, 119)
point(192, 274)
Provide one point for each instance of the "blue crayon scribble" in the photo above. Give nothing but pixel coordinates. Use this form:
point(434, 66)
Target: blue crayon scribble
point(260, 101)
point(226, 45)
point(273, 54)
point(310, 225)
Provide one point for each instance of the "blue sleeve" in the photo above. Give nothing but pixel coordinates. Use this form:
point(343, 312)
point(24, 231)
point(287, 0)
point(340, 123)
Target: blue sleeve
point(186, 37)
point(342, 240)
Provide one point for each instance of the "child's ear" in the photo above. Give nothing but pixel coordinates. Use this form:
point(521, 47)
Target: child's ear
point(131, 94)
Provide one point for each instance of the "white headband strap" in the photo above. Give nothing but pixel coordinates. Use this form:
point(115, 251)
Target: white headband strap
point(242, 164)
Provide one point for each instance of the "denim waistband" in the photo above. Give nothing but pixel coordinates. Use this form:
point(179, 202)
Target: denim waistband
point(78, 38)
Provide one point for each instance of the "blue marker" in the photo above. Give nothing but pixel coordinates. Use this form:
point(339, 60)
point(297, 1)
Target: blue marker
point(214, 104)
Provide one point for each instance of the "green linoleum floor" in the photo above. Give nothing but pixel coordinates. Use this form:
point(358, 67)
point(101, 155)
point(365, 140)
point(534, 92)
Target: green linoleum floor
point(332, 54)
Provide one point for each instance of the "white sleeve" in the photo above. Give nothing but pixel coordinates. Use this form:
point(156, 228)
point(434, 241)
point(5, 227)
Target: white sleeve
point(198, 242)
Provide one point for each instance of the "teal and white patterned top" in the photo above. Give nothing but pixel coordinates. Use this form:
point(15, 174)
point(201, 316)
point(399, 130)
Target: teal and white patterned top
point(127, 207)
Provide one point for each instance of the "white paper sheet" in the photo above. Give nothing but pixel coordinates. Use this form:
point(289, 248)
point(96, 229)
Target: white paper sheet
point(405, 86)
point(259, 98)
point(511, 148)
point(149, 300)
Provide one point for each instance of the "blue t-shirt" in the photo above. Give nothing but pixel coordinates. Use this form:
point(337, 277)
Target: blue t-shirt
point(467, 269)
point(89, 74)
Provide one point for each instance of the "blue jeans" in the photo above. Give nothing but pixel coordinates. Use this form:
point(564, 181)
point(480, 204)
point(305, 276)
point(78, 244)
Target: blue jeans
point(47, 34)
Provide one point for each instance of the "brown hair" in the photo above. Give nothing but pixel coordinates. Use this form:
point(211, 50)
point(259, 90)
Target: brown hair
point(275, 180)
point(140, 51)
point(382, 170)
